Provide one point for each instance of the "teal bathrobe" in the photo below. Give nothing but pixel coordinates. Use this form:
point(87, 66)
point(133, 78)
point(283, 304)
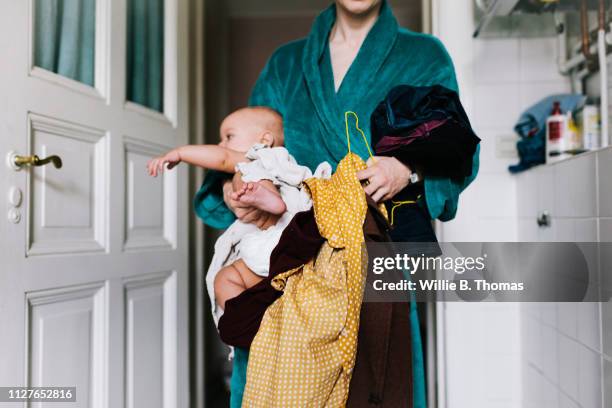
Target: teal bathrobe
point(298, 82)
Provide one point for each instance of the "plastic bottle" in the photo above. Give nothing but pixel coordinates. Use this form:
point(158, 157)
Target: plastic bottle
point(573, 137)
point(590, 126)
point(556, 127)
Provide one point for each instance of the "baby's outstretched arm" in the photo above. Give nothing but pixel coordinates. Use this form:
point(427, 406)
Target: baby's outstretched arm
point(211, 157)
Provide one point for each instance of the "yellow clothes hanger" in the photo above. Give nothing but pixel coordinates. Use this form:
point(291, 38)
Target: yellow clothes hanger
point(396, 204)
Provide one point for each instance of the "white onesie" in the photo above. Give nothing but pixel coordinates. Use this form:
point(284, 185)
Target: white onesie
point(248, 242)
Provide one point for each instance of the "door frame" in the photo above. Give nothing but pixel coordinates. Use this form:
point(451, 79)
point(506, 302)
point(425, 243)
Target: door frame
point(197, 239)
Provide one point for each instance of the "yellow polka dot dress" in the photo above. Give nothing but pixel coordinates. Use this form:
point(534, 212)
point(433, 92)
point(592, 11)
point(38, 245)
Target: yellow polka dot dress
point(304, 352)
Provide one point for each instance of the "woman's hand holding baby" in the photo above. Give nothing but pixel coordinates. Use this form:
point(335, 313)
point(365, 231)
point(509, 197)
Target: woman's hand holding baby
point(156, 165)
point(387, 176)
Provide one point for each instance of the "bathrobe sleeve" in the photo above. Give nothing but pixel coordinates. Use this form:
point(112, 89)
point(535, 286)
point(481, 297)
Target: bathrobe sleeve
point(441, 193)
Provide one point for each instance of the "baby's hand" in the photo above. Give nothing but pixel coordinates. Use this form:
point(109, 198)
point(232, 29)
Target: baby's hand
point(156, 165)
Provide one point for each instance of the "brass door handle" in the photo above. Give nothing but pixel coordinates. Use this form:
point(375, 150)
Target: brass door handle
point(18, 162)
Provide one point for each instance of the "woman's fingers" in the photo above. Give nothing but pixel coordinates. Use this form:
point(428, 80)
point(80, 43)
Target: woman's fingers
point(251, 215)
point(380, 194)
point(243, 212)
point(262, 219)
point(376, 197)
point(372, 186)
point(366, 173)
point(371, 161)
point(377, 189)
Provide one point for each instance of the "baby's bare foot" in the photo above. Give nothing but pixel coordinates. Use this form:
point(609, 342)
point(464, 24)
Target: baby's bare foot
point(237, 194)
point(260, 197)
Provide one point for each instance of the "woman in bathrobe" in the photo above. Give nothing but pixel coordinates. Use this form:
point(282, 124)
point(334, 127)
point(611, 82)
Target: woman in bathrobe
point(354, 55)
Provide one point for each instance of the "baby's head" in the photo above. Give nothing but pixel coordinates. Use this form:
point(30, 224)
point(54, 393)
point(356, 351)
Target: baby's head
point(258, 124)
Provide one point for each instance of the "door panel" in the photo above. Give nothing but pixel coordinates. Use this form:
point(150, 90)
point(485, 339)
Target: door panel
point(66, 340)
point(67, 206)
point(150, 202)
point(151, 307)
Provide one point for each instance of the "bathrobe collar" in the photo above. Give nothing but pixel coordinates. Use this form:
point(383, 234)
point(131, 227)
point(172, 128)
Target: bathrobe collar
point(359, 82)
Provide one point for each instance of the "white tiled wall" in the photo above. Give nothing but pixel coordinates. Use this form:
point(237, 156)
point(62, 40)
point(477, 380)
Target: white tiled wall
point(578, 335)
point(486, 364)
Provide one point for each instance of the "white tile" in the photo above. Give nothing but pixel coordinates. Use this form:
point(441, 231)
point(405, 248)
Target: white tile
point(586, 229)
point(497, 229)
point(605, 262)
point(563, 189)
point(567, 318)
point(527, 193)
point(590, 376)
point(549, 314)
point(502, 334)
point(550, 395)
point(497, 60)
point(528, 229)
point(565, 230)
point(546, 189)
point(607, 366)
point(584, 189)
point(568, 366)
point(531, 389)
point(605, 229)
point(502, 378)
point(490, 195)
point(459, 229)
point(606, 319)
point(604, 159)
point(566, 402)
point(547, 233)
point(532, 337)
point(538, 391)
point(550, 358)
point(533, 92)
point(532, 309)
point(575, 191)
point(496, 106)
point(496, 195)
point(538, 59)
point(489, 161)
point(589, 325)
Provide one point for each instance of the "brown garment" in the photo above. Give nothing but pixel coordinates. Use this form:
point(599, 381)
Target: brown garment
point(383, 369)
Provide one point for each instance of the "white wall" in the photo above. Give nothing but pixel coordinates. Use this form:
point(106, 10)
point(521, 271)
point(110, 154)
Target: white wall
point(498, 79)
point(564, 351)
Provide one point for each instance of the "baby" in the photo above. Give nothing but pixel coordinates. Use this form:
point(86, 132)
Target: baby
point(266, 176)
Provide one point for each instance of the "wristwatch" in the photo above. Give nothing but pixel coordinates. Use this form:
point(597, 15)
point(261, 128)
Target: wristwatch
point(414, 178)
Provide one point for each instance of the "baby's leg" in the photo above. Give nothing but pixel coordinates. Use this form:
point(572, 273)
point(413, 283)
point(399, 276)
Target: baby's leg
point(263, 195)
point(232, 280)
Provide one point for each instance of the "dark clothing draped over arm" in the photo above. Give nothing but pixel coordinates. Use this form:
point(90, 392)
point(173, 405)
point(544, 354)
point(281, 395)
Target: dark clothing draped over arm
point(427, 129)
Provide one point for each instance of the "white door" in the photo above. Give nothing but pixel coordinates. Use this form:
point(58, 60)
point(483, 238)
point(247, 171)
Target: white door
point(93, 255)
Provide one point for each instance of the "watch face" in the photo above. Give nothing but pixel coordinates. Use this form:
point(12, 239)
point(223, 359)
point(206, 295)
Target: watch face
point(414, 178)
